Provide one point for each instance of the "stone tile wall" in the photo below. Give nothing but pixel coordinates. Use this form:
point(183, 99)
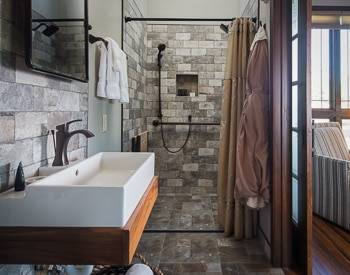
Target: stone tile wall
point(197, 50)
point(135, 40)
point(31, 103)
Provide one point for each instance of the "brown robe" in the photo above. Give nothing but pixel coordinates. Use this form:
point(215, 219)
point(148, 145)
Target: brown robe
point(253, 174)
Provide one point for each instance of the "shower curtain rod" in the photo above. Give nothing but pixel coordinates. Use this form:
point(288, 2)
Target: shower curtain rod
point(129, 19)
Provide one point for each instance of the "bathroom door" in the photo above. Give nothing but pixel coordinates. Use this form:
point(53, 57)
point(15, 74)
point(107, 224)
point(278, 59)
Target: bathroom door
point(291, 135)
point(300, 134)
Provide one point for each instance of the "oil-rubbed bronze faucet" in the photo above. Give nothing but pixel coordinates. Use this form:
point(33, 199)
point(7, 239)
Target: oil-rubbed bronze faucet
point(62, 139)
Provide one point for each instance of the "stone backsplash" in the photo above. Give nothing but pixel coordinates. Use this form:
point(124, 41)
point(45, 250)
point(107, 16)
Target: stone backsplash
point(31, 103)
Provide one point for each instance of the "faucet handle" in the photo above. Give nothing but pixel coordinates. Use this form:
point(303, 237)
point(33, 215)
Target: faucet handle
point(70, 122)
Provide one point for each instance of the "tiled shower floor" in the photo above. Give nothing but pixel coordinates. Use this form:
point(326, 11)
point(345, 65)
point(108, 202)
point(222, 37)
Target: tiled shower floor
point(204, 253)
point(210, 253)
point(181, 212)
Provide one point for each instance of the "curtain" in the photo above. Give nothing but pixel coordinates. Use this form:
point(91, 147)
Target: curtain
point(235, 218)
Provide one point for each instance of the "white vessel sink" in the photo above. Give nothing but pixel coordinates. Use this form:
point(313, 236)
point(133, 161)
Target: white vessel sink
point(101, 191)
point(50, 170)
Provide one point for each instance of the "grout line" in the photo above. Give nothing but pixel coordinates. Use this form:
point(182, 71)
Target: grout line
point(264, 235)
point(161, 251)
point(181, 231)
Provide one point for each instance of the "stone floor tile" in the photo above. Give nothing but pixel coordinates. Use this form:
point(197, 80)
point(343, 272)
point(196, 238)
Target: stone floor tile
point(231, 269)
point(198, 253)
point(183, 212)
point(159, 219)
point(188, 268)
point(151, 247)
point(168, 268)
point(185, 248)
point(200, 273)
point(180, 221)
point(256, 267)
point(176, 249)
point(233, 254)
point(228, 242)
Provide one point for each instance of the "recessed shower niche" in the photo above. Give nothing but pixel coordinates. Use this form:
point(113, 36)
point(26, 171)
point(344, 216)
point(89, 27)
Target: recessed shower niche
point(187, 85)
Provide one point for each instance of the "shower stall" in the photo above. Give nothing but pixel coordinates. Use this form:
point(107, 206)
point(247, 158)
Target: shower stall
point(184, 71)
point(176, 71)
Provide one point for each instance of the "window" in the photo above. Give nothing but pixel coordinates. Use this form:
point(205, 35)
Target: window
point(346, 130)
point(344, 68)
point(330, 76)
point(297, 92)
point(320, 77)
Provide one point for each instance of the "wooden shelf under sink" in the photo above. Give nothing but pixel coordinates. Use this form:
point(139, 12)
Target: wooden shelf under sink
point(105, 246)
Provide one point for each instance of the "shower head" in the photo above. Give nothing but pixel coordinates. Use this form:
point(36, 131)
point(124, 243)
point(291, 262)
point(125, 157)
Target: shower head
point(224, 27)
point(49, 30)
point(161, 47)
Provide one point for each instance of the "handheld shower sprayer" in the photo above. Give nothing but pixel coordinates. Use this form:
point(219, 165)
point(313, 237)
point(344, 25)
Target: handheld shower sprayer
point(161, 48)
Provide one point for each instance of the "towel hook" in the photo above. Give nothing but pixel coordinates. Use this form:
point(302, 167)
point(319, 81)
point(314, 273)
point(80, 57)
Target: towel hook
point(93, 39)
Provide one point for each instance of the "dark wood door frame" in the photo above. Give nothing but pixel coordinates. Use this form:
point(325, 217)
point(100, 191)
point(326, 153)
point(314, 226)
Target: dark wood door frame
point(281, 199)
point(281, 248)
point(306, 226)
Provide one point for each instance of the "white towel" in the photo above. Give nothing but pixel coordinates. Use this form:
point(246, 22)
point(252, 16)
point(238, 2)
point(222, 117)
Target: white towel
point(102, 74)
point(113, 79)
point(117, 73)
point(124, 81)
point(78, 269)
point(139, 269)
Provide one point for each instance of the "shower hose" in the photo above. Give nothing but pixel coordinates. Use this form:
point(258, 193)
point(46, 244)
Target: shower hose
point(161, 47)
point(186, 140)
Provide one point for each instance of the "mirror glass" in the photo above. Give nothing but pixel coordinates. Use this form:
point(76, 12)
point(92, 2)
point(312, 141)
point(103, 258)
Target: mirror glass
point(58, 43)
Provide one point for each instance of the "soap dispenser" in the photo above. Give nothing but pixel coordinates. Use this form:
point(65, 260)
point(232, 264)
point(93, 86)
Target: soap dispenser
point(20, 182)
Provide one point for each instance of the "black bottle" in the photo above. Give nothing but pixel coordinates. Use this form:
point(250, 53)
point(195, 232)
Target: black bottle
point(20, 182)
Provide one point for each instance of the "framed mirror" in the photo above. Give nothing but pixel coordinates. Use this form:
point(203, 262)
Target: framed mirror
point(57, 37)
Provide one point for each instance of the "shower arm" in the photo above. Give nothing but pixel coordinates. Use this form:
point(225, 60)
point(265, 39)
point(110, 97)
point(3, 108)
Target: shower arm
point(39, 26)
